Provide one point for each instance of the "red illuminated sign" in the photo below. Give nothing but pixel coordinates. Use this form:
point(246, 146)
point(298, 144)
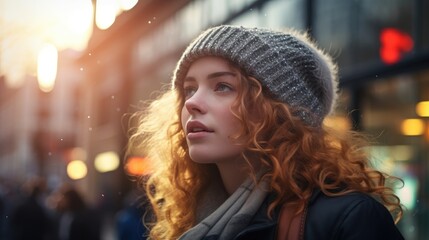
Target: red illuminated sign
point(394, 44)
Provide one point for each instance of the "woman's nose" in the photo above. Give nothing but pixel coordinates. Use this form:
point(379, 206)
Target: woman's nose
point(196, 103)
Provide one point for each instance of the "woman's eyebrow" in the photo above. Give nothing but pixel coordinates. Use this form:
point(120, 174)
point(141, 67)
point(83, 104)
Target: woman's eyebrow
point(211, 76)
point(220, 74)
point(189, 79)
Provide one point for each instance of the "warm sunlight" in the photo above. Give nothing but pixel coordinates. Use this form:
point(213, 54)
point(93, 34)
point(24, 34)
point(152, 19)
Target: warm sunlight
point(47, 67)
point(107, 10)
point(66, 24)
point(127, 4)
point(26, 28)
point(105, 13)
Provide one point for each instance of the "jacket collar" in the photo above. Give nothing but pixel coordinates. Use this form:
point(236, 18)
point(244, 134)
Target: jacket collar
point(261, 222)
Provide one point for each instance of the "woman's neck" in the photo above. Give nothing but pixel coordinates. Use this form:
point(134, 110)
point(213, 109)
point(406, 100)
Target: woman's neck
point(232, 177)
point(233, 173)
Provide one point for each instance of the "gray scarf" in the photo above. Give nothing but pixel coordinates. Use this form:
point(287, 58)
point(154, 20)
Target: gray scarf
point(231, 216)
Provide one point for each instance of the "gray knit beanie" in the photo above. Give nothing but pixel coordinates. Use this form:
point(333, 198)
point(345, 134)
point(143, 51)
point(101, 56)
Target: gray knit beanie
point(286, 63)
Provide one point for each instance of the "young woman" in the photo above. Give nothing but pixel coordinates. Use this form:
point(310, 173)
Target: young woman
point(240, 138)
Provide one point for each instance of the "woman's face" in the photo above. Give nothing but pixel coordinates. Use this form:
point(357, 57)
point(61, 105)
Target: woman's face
point(210, 89)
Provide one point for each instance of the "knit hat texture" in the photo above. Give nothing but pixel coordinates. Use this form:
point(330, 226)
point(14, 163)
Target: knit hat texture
point(287, 64)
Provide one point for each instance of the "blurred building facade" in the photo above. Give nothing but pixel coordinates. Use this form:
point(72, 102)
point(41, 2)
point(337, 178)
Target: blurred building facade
point(37, 127)
point(382, 48)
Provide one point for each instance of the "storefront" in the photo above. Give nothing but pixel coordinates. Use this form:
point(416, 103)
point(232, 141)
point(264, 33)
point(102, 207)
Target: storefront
point(382, 49)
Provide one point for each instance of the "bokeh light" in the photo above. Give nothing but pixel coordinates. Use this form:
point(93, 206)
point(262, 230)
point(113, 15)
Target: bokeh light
point(106, 161)
point(408, 193)
point(127, 4)
point(77, 169)
point(27, 28)
point(412, 127)
point(422, 109)
point(47, 67)
point(138, 166)
point(105, 13)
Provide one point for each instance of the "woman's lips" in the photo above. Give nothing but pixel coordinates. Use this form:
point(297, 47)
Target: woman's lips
point(196, 129)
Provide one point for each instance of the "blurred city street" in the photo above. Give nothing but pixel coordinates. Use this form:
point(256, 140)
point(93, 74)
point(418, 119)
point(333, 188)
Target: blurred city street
point(73, 72)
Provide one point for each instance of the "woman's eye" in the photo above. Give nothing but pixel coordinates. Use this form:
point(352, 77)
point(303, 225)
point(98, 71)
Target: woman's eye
point(189, 91)
point(223, 87)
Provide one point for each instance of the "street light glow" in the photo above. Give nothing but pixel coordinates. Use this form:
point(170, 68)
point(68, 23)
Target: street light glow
point(422, 109)
point(25, 28)
point(127, 4)
point(77, 169)
point(412, 127)
point(65, 24)
point(106, 161)
point(139, 166)
point(47, 62)
point(105, 13)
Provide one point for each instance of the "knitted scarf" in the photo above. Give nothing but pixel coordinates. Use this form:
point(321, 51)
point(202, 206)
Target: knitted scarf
point(232, 216)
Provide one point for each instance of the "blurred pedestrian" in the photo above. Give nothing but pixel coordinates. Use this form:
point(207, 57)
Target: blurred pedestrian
point(77, 220)
point(2, 212)
point(243, 152)
point(129, 220)
point(29, 218)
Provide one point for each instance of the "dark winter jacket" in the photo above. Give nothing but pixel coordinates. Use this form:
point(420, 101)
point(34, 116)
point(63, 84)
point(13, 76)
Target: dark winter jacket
point(354, 216)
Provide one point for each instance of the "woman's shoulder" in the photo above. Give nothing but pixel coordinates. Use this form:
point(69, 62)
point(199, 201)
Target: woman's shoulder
point(339, 208)
point(333, 209)
point(320, 199)
point(348, 214)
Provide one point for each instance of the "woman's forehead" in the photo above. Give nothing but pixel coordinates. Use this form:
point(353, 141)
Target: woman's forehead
point(210, 63)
